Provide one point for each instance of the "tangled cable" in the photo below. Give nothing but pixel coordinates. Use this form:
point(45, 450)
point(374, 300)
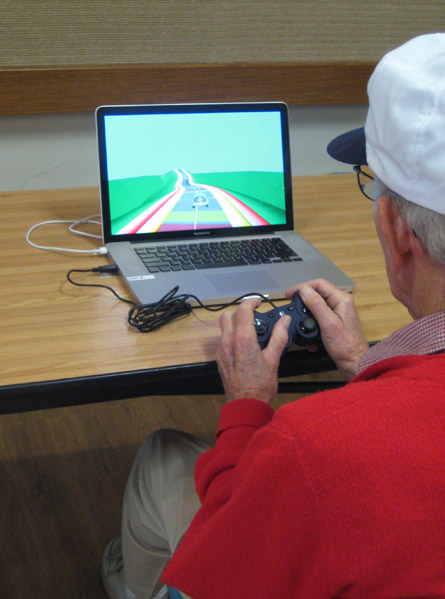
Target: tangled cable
point(149, 317)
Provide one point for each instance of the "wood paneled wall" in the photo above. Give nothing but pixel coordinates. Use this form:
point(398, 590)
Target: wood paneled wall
point(73, 56)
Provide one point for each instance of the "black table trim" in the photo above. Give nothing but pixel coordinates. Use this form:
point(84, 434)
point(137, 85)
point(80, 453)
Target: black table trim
point(187, 379)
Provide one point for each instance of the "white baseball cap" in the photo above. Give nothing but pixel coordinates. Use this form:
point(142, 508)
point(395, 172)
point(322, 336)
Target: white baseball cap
point(405, 126)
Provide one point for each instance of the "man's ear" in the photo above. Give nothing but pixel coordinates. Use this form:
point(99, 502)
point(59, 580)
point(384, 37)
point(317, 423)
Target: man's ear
point(399, 241)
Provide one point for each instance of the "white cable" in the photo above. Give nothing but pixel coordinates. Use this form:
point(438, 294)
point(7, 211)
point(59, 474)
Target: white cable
point(73, 223)
point(83, 221)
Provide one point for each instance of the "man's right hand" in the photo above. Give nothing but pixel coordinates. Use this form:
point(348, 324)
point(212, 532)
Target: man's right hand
point(336, 313)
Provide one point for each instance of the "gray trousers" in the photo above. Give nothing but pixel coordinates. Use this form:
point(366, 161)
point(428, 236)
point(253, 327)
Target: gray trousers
point(160, 502)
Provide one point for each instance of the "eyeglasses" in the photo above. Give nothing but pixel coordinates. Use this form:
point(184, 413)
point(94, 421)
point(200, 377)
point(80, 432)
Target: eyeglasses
point(365, 182)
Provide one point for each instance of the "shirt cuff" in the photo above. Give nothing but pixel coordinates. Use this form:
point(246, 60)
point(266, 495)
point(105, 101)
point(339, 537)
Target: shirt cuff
point(244, 412)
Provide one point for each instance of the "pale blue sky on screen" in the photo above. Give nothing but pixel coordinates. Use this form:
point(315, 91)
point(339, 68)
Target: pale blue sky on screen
point(139, 145)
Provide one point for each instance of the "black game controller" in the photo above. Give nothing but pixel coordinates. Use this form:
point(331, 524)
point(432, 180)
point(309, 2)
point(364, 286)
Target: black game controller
point(303, 329)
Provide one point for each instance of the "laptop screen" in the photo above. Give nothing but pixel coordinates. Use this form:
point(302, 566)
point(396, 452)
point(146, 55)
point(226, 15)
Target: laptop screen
point(194, 170)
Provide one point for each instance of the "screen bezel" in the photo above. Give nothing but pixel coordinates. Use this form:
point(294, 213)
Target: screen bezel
point(104, 111)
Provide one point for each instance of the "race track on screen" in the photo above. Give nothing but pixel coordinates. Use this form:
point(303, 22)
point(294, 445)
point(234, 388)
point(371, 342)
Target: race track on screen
point(179, 200)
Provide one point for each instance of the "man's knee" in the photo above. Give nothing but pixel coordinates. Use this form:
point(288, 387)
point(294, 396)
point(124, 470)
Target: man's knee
point(167, 440)
point(167, 451)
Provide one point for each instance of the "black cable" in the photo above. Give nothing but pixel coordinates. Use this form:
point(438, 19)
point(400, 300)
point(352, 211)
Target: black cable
point(108, 268)
point(149, 317)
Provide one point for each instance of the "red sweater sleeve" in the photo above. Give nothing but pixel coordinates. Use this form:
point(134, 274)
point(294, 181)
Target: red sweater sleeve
point(230, 551)
point(239, 421)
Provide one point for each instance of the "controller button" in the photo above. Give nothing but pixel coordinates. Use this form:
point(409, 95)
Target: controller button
point(308, 325)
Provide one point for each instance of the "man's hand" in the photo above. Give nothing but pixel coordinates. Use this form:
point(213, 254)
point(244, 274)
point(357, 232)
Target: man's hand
point(337, 316)
point(245, 369)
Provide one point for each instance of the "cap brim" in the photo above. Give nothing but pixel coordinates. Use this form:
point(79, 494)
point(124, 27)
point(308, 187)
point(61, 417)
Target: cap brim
point(349, 147)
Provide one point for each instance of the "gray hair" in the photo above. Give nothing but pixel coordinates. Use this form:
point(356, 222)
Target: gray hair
point(428, 225)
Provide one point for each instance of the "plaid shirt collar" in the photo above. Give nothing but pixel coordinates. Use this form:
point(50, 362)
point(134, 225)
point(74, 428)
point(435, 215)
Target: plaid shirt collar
point(421, 337)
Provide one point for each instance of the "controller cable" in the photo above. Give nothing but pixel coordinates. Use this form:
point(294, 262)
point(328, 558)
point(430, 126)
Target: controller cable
point(149, 317)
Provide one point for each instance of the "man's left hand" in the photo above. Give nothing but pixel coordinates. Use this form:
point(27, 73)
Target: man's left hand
point(245, 369)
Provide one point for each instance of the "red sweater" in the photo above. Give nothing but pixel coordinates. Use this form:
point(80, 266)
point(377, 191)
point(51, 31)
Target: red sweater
point(341, 494)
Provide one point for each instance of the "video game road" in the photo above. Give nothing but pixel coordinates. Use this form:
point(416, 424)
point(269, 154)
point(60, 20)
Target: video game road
point(196, 206)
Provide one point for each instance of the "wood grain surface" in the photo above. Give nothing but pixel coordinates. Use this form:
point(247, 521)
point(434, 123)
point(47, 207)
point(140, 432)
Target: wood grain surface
point(52, 330)
point(32, 90)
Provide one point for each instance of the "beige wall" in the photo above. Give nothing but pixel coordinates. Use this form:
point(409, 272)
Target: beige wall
point(59, 150)
point(61, 32)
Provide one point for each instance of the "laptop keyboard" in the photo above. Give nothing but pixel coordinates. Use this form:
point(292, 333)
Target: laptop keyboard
point(215, 254)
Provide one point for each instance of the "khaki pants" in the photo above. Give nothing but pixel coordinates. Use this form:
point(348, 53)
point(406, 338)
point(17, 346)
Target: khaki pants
point(160, 502)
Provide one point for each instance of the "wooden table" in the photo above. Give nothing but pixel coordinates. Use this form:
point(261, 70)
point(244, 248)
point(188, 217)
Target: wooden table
point(64, 345)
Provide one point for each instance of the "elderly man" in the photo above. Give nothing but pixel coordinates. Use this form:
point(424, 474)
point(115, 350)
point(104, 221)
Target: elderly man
point(341, 494)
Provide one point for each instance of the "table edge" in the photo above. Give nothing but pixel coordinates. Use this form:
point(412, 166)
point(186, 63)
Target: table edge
point(187, 379)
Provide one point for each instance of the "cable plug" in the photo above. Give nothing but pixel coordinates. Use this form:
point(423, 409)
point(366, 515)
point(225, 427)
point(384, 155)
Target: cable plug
point(106, 269)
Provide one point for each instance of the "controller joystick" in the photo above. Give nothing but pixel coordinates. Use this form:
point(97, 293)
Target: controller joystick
point(303, 329)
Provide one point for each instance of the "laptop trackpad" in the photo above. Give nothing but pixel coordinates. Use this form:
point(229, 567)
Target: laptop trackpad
point(244, 282)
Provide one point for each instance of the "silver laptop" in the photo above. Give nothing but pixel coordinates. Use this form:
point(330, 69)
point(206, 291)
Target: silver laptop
point(200, 196)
